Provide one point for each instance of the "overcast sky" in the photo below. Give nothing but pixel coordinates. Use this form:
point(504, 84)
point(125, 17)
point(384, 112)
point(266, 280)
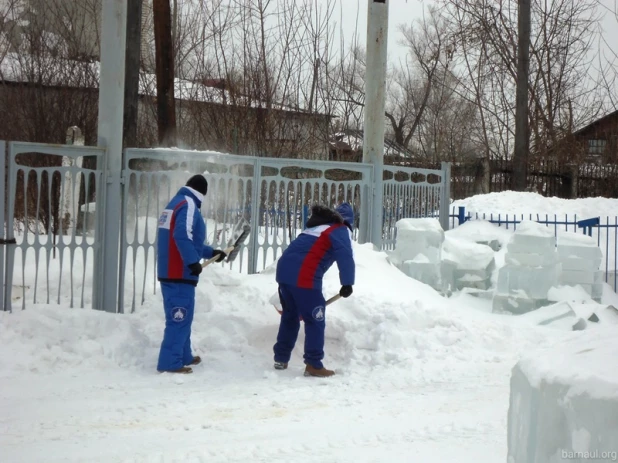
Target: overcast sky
point(405, 11)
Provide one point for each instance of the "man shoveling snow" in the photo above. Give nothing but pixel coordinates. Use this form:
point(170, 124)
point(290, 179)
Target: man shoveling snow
point(300, 270)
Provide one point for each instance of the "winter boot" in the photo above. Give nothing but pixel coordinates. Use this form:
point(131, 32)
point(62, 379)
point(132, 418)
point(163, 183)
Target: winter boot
point(196, 360)
point(184, 370)
point(281, 366)
point(318, 372)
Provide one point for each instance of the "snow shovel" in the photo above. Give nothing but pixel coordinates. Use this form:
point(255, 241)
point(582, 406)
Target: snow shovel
point(233, 249)
point(328, 302)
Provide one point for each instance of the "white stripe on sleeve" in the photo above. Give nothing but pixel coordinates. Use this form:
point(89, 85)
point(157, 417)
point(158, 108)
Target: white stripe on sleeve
point(190, 213)
point(316, 231)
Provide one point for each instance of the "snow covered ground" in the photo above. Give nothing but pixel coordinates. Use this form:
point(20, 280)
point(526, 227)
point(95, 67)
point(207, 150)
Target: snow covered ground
point(420, 378)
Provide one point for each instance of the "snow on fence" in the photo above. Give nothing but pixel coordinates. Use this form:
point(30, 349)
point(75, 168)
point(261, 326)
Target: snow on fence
point(603, 229)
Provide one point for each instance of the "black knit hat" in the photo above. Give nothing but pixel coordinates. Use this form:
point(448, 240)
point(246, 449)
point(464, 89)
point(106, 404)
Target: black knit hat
point(198, 183)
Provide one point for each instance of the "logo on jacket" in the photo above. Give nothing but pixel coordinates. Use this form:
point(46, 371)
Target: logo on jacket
point(318, 313)
point(179, 314)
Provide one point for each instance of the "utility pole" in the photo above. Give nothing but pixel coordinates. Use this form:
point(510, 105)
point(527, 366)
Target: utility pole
point(166, 110)
point(131, 86)
point(109, 136)
point(373, 140)
point(522, 126)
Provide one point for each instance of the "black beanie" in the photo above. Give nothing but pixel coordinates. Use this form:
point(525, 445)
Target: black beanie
point(198, 183)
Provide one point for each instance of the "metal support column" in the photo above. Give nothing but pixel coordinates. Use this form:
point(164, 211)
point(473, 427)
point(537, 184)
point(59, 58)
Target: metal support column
point(3, 189)
point(111, 106)
point(445, 195)
point(375, 84)
point(256, 191)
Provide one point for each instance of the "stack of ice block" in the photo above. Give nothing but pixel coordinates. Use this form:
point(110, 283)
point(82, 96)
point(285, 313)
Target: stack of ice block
point(531, 268)
point(466, 264)
point(581, 258)
point(418, 249)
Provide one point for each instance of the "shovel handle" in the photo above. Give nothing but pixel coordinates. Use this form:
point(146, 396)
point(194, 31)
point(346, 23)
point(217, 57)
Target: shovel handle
point(333, 299)
point(213, 259)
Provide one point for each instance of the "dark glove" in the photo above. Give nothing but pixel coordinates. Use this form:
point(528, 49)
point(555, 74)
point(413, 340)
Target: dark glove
point(218, 252)
point(196, 268)
point(345, 291)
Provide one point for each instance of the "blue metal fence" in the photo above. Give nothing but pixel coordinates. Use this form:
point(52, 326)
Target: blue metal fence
point(605, 230)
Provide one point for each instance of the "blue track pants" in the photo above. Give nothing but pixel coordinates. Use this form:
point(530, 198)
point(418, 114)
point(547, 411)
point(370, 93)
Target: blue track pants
point(310, 304)
point(179, 304)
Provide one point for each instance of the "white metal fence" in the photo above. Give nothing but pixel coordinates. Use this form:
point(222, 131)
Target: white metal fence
point(53, 239)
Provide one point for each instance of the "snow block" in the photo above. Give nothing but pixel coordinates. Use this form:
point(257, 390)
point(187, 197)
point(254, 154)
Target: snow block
point(564, 402)
point(534, 281)
point(582, 252)
point(531, 259)
point(551, 314)
point(577, 263)
point(570, 277)
point(425, 272)
point(533, 241)
point(516, 305)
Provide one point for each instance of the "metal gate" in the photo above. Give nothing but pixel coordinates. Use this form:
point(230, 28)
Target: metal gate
point(272, 194)
point(49, 240)
point(414, 192)
point(52, 239)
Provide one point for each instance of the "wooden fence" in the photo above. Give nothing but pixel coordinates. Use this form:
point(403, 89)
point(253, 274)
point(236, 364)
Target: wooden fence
point(546, 177)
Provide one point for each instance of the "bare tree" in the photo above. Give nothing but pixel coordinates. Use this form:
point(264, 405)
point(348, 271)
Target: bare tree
point(522, 131)
point(561, 89)
point(166, 107)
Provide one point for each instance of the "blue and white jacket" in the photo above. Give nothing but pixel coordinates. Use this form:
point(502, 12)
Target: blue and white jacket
point(327, 239)
point(181, 236)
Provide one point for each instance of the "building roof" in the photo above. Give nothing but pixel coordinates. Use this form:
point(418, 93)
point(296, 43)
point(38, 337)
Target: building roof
point(592, 124)
point(352, 140)
point(59, 72)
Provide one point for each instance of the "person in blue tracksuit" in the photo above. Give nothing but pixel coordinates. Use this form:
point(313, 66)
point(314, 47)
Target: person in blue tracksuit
point(180, 247)
point(326, 239)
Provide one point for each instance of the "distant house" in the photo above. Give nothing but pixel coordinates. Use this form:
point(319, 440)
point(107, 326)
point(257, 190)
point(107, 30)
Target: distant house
point(598, 141)
point(49, 71)
point(209, 114)
point(348, 146)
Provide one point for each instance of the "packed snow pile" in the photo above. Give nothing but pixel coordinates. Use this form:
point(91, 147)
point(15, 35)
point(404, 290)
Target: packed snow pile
point(526, 203)
point(564, 401)
point(81, 385)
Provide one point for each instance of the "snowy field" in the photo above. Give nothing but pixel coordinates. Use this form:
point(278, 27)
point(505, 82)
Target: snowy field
point(420, 377)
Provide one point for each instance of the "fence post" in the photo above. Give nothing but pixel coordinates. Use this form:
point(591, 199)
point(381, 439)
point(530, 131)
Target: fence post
point(461, 215)
point(256, 190)
point(445, 195)
point(587, 224)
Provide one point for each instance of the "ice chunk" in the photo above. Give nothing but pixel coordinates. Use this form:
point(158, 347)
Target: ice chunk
point(564, 401)
point(515, 304)
point(533, 242)
point(576, 239)
point(532, 228)
point(577, 263)
point(551, 313)
point(410, 249)
point(467, 255)
point(582, 252)
point(535, 281)
point(579, 276)
point(427, 273)
point(482, 232)
point(531, 260)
